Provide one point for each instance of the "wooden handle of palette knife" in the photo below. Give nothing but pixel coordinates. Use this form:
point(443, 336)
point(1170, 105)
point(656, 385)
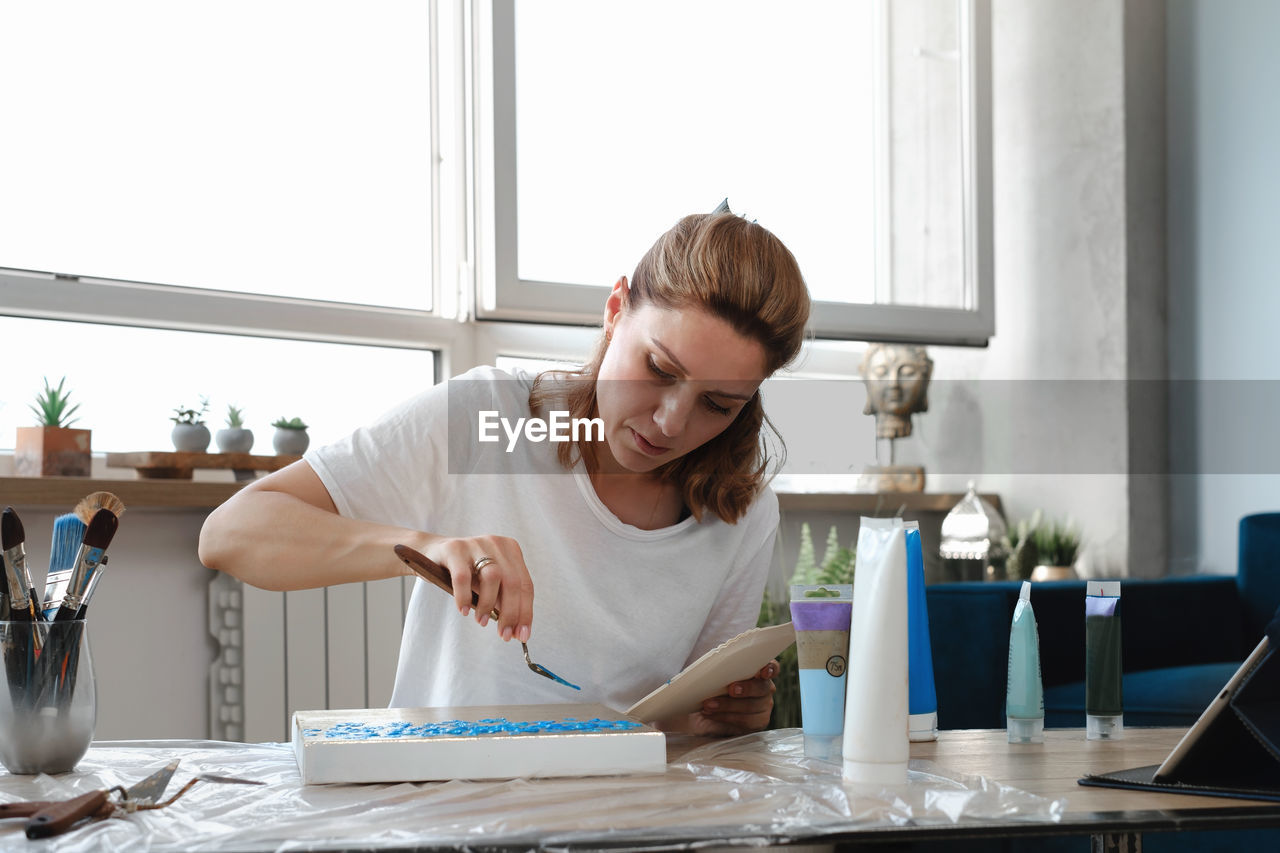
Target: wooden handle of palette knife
point(59, 817)
point(429, 570)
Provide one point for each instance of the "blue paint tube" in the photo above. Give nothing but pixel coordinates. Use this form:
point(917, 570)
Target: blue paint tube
point(1024, 696)
point(1103, 662)
point(922, 698)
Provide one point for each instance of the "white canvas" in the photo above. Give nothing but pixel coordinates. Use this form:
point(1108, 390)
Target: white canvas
point(433, 744)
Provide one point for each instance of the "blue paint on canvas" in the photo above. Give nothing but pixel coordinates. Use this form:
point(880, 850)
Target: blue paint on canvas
point(354, 730)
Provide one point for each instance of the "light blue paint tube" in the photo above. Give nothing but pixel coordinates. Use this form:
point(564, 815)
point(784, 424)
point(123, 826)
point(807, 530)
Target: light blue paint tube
point(821, 615)
point(1024, 696)
point(922, 698)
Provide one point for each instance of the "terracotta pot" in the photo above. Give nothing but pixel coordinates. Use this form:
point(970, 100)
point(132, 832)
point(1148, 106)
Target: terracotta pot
point(1053, 573)
point(52, 452)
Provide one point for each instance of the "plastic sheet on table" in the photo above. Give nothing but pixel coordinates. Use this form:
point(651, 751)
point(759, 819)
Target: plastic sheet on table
point(753, 790)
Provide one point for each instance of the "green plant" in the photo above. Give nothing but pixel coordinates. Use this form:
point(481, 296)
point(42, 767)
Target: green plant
point(191, 417)
point(1021, 549)
point(1056, 545)
point(235, 418)
point(51, 406)
point(288, 423)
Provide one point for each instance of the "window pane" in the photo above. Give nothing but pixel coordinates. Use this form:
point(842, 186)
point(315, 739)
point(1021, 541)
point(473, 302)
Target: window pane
point(631, 114)
point(128, 381)
point(280, 148)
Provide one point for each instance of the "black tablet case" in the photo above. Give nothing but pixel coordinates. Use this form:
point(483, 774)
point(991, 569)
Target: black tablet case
point(1236, 752)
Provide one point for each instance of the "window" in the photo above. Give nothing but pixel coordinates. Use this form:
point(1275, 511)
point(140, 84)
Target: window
point(127, 381)
point(269, 172)
point(242, 183)
point(857, 132)
point(273, 148)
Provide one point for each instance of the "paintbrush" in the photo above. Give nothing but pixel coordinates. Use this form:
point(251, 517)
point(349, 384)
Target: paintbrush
point(16, 577)
point(71, 594)
point(21, 641)
point(71, 588)
point(89, 505)
point(68, 533)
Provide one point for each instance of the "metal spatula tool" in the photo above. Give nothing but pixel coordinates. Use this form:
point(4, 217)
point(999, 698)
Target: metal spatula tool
point(49, 818)
point(429, 570)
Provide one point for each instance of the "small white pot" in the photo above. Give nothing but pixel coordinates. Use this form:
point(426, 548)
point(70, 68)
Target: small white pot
point(290, 442)
point(234, 440)
point(190, 438)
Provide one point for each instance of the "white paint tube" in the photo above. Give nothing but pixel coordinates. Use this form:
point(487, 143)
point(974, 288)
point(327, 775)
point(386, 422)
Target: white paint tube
point(875, 747)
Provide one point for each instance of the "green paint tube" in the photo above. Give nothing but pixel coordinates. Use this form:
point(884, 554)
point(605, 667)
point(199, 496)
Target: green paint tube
point(1104, 662)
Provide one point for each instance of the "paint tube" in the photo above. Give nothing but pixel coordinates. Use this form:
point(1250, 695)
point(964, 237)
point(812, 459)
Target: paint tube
point(922, 697)
point(875, 746)
point(1103, 663)
point(822, 615)
point(1024, 696)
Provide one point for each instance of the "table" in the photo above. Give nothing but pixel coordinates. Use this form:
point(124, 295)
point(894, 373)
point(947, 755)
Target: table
point(755, 790)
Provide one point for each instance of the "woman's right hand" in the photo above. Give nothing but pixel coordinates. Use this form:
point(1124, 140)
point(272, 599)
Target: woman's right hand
point(493, 567)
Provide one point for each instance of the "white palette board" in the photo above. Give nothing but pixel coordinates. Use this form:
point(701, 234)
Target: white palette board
point(733, 660)
point(507, 742)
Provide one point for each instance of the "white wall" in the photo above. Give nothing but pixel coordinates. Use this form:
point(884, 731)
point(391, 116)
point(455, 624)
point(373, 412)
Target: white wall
point(1224, 203)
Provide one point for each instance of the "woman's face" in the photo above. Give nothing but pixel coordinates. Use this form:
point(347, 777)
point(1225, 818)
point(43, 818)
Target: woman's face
point(671, 380)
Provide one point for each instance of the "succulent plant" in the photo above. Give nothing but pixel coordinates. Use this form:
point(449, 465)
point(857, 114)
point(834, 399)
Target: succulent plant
point(288, 423)
point(52, 406)
point(184, 415)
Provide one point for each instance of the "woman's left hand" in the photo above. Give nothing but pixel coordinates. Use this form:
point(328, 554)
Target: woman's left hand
point(744, 707)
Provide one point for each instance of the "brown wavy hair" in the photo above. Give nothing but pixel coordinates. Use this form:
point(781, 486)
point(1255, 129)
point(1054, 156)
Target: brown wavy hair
point(743, 274)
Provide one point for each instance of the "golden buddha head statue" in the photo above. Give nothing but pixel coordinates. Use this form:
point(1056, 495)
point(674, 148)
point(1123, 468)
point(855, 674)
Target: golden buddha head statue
point(897, 380)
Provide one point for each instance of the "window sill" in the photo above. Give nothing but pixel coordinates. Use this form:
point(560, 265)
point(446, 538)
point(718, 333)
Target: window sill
point(65, 492)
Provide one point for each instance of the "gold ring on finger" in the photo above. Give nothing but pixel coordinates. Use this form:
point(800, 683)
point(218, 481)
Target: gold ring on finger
point(480, 564)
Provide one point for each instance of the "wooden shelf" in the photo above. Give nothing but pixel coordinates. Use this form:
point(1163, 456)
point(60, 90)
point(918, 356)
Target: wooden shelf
point(878, 504)
point(176, 465)
point(64, 492)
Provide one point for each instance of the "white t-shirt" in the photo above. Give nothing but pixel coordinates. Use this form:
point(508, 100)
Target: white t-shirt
point(617, 610)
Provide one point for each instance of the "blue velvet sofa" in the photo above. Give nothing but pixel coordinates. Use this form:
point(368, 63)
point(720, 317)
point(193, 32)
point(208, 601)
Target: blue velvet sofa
point(1182, 638)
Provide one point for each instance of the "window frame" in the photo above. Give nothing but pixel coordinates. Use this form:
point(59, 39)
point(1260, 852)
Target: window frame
point(502, 295)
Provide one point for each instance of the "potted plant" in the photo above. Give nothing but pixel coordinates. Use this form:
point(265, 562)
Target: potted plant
point(52, 448)
point(291, 437)
point(1056, 550)
point(235, 438)
point(189, 434)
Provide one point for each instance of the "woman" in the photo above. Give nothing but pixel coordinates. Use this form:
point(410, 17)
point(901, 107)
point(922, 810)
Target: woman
point(648, 539)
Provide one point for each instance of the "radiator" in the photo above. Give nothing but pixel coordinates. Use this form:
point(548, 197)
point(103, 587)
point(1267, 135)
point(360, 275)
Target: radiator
point(280, 652)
